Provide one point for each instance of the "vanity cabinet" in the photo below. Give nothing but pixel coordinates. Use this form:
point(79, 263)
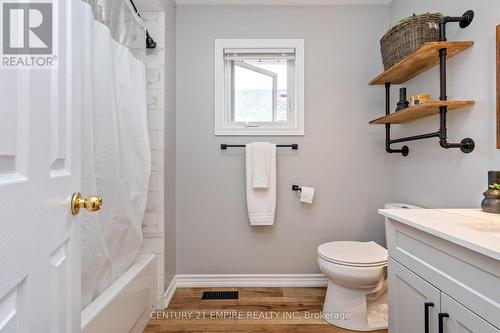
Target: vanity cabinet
point(437, 286)
point(461, 319)
point(414, 304)
point(418, 307)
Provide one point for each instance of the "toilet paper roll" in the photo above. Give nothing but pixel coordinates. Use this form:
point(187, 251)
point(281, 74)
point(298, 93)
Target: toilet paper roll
point(307, 194)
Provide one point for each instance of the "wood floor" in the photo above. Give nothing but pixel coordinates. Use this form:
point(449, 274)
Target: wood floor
point(256, 310)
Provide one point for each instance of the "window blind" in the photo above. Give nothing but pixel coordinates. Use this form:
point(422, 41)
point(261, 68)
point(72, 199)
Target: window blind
point(259, 54)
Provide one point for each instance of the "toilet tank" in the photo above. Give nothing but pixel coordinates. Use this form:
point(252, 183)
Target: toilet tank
point(400, 206)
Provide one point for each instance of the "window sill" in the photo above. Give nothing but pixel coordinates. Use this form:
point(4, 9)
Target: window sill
point(259, 131)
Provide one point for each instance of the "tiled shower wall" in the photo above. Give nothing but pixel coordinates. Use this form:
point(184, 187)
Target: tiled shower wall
point(153, 223)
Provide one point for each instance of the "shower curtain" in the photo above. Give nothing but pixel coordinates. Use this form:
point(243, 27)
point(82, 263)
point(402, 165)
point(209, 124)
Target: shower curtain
point(116, 159)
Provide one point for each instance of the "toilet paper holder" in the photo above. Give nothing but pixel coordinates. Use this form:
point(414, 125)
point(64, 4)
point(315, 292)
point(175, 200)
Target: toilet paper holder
point(305, 194)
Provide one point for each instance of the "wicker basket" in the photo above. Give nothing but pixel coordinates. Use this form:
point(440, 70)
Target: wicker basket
point(409, 35)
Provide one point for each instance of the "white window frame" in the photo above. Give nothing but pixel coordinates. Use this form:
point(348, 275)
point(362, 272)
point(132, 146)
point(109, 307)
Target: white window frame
point(223, 108)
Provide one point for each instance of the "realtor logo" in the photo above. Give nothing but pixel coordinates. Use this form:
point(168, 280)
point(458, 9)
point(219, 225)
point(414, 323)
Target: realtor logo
point(27, 34)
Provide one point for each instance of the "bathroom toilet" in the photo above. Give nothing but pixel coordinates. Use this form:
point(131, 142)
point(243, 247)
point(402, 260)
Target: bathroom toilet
point(356, 297)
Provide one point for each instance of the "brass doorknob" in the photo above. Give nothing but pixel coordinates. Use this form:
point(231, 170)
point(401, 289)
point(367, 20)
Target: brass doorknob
point(92, 203)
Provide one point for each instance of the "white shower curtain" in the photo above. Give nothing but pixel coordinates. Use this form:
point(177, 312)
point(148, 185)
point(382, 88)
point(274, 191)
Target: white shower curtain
point(116, 159)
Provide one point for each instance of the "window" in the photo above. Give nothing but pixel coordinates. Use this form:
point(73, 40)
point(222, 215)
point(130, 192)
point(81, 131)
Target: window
point(259, 87)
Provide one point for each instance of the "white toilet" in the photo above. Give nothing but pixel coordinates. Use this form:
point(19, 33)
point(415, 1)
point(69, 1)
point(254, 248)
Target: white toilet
point(356, 298)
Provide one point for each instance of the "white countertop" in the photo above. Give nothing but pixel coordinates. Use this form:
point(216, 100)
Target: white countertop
point(455, 225)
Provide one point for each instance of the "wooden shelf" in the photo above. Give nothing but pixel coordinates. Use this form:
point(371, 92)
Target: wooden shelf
point(419, 61)
point(420, 111)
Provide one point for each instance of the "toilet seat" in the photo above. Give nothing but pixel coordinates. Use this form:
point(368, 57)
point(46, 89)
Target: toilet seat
point(354, 254)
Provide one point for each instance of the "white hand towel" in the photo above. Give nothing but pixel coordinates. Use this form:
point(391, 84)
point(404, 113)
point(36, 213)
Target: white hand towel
point(261, 164)
point(261, 202)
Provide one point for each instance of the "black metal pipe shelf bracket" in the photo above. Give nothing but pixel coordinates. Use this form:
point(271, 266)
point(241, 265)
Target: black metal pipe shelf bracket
point(467, 145)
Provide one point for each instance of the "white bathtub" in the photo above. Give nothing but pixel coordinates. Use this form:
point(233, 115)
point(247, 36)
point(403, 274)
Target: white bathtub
point(127, 303)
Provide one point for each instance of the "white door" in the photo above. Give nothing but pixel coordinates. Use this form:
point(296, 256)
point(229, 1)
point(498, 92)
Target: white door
point(40, 112)
point(459, 319)
point(411, 300)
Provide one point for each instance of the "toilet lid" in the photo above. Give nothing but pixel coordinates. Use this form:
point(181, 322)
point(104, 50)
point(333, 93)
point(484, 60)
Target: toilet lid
point(353, 253)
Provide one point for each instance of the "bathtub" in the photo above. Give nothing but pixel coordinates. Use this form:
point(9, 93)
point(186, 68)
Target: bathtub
point(125, 306)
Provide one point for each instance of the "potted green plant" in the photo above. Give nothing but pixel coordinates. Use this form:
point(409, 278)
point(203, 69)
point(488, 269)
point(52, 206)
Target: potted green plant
point(491, 201)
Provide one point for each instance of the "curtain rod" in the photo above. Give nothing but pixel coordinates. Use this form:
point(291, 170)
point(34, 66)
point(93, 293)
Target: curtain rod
point(150, 43)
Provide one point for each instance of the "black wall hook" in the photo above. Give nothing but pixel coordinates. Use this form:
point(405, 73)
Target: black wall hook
point(150, 42)
point(296, 188)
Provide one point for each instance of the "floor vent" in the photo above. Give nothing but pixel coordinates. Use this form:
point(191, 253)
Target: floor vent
point(220, 295)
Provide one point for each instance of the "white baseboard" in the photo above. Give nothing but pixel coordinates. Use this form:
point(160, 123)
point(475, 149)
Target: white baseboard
point(250, 280)
point(243, 280)
point(169, 293)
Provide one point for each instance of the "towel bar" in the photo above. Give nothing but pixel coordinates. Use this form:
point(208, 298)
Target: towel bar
point(224, 146)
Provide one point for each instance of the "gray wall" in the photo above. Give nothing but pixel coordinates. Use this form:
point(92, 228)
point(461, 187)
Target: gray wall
point(431, 176)
point(340, 155)
point(170, 140)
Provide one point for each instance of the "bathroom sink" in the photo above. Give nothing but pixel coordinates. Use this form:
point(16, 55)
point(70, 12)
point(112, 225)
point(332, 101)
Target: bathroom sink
point(492, 229)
